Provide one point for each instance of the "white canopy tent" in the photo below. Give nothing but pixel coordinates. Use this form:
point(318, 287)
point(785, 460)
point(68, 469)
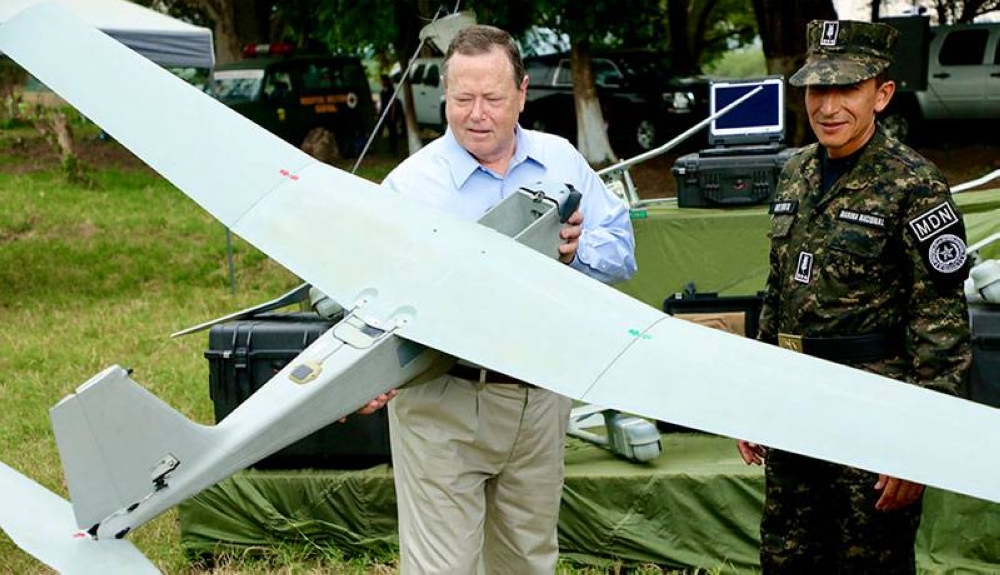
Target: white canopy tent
point(164, 40)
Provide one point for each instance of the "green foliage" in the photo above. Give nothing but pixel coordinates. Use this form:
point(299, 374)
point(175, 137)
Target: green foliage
point(713, 26)
point(11, 122)
point(600, 22)
point(746, 62)
point(77, 171)
point(342, 26)
point(12, 79)
point(730, 25)
point(186, 10)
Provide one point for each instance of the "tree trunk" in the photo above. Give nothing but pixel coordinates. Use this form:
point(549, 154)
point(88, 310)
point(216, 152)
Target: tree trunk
point(413, 141)
point(591, 133)
point(943, 12)
point(703, 22)
point(12, 80)
point(237, 23)
point(54, 125)
point(782, 25)
point(688, 24)
point(678, 18)
point(408, 24)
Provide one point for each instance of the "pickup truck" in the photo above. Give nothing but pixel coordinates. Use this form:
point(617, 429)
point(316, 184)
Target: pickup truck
point(962, 67)
point(428, 92)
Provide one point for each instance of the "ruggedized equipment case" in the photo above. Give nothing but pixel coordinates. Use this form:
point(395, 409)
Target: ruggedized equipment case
point(728, 177)
point(746, 147)
point(984, 378)
point(243, 355)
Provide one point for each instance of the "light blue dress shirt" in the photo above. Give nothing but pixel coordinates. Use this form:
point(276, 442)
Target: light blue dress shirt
point(444, 175)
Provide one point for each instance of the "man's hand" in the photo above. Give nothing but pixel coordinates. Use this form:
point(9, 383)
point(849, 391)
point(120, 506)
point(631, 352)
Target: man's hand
point(896, 493)
point(752, 453)
point(375, 404)
point(571, 237)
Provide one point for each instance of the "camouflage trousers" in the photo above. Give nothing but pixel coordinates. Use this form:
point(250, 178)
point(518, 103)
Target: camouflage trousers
point(820, 519)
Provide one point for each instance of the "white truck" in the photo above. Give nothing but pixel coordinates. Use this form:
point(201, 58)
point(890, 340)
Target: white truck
point(960, 65)
point(428, 92)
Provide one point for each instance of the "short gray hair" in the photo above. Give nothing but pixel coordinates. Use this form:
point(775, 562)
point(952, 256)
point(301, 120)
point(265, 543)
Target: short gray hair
point(480, 39)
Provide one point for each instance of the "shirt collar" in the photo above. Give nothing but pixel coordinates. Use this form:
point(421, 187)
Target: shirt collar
point(463, 164)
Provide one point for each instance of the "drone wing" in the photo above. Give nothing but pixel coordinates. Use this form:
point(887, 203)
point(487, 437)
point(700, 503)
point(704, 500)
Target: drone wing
point(42, 524)
point(473, 293)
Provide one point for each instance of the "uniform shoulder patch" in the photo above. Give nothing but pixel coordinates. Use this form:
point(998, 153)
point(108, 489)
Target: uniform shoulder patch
point(947, 254)
point(933, 221)
point(940, 235)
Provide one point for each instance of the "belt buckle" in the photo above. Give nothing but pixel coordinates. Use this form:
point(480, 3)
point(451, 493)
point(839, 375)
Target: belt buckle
point(791, 342)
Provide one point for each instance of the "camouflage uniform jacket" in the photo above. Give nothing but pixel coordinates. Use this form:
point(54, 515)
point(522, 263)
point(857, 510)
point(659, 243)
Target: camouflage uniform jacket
point(883, 250)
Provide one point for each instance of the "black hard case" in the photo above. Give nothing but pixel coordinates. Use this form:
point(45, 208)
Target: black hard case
point(243, 355)
point(984, 378)
point(749, 305)
point(716, 178)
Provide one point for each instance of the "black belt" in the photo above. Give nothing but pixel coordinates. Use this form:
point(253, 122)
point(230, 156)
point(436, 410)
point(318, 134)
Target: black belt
point(479, 375)
point(846, 349)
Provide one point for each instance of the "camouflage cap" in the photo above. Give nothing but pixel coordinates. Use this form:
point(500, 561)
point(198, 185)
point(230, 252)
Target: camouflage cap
point(844, 52)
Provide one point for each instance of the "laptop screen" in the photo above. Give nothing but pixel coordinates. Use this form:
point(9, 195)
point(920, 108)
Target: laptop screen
point(757, 120)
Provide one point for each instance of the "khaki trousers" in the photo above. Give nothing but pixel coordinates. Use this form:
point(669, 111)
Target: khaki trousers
point(478, 471)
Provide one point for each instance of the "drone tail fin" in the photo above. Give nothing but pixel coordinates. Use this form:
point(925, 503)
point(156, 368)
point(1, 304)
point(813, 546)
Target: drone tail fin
point(118, 442)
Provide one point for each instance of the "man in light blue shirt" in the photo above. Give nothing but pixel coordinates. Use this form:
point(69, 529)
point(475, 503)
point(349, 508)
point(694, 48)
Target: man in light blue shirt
point(477, 455)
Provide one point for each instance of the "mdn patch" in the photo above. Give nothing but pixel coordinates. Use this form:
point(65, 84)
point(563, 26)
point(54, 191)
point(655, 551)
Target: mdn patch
point(940, 235)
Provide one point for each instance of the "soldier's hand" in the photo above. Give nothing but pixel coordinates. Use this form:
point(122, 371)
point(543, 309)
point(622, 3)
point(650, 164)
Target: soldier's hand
point(896, 493)
point(752, 453)
point(375, 404)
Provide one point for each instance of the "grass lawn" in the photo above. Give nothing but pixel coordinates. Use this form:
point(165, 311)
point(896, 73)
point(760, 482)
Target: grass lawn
point(93, 277)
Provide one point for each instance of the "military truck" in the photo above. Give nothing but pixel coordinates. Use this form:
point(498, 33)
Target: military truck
point(290, 95)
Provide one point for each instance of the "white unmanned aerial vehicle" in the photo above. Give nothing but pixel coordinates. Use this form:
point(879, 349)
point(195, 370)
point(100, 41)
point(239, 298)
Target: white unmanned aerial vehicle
point(411, 279)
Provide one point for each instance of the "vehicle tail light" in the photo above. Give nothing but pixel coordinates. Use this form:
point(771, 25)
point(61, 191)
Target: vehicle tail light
point(275, 49)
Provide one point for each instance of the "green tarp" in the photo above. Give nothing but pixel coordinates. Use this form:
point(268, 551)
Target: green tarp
point(698, 505)
point(725, 251)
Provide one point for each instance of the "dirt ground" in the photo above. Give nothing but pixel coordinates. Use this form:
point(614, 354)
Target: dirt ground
point(961, 158)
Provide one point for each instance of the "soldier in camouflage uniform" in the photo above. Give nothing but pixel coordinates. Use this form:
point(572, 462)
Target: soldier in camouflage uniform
point(867, 262)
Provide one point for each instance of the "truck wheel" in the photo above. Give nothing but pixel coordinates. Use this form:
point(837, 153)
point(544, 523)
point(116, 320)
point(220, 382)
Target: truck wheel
point(644, 135)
